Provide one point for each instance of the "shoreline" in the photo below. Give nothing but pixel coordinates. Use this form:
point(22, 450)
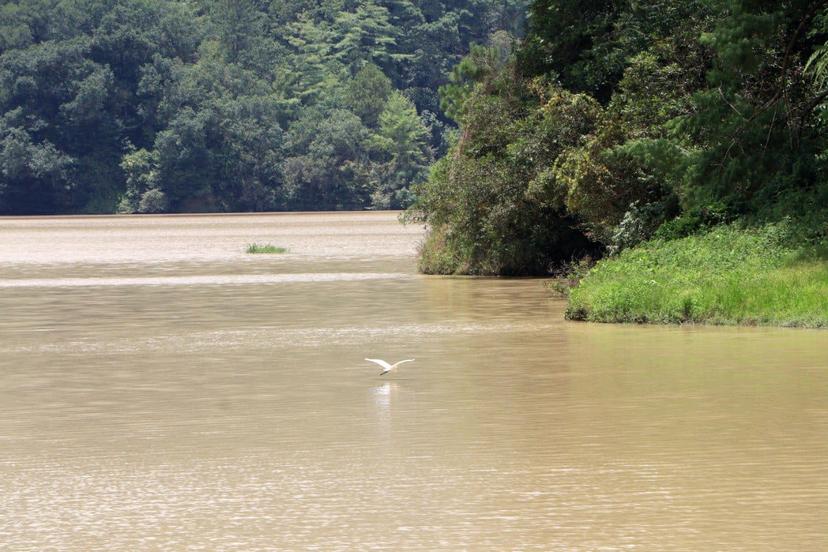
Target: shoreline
point(726, 277)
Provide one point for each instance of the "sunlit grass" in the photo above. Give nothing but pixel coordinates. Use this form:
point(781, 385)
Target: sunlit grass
point(728, 276)
point(255, 248)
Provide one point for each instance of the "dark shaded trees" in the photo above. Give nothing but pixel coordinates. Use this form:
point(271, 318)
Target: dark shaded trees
point(631, 120)
point(226, 105)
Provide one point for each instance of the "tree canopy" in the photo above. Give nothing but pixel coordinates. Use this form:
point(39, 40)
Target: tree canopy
point(613, 122)
point(226, 105)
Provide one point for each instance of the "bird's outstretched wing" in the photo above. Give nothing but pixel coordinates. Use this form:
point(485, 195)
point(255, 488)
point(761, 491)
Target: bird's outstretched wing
point(381, 362)
point(403, 362)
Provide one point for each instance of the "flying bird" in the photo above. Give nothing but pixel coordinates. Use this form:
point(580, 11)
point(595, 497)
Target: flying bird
point(385, 366)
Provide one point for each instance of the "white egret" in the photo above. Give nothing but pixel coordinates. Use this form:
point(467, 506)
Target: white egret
point(385, 366)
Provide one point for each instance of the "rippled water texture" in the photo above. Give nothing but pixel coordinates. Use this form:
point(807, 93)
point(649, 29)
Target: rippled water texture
point(162, 390)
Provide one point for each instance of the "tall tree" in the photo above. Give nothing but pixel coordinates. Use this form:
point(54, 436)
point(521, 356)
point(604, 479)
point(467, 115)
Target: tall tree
point(403, 140)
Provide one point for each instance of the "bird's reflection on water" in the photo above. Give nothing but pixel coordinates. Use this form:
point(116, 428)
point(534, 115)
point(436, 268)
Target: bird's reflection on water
point(383, 395)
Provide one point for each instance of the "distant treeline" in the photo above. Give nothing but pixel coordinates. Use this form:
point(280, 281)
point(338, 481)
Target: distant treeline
point(614, 122)
point(228, 105)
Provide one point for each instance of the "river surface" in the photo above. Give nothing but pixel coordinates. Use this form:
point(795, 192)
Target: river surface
point(160, 389)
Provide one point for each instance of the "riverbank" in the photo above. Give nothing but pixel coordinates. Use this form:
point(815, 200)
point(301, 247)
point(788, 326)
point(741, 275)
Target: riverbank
point(726, 276)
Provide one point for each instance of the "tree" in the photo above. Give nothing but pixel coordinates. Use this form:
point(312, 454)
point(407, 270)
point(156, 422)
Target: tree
point(403, 142)
point(201, 96)
point(756, 123)
point(315, 74)
point(366, 35)
point(329, 149)
point(237, 23)
point(367, 94)
point(34, 178)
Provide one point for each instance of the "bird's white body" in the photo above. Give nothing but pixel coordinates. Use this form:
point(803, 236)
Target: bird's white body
point(387, 367)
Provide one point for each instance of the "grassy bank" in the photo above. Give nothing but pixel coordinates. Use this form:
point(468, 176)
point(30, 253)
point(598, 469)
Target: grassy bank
point(727, 276)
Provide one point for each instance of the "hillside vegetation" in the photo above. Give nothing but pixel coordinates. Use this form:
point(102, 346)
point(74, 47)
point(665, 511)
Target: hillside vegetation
point(228, 105)
point(670, 137)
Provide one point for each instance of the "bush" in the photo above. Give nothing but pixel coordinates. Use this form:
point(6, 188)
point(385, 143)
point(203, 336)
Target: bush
point(490, 205)
point(153, 201)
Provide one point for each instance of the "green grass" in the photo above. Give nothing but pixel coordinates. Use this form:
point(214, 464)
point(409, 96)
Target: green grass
point(265, 248)
point(727, 276)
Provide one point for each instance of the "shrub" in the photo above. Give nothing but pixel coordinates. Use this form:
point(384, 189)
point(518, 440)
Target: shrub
point(153, 201)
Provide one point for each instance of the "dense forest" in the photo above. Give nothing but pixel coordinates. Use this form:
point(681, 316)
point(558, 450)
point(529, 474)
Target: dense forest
point(229, 105)
point(614, 122)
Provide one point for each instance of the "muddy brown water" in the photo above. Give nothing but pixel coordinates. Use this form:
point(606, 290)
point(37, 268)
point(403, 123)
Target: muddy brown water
point(162, 390)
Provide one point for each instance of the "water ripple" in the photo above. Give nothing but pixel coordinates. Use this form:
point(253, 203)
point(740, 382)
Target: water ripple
point(204, 279)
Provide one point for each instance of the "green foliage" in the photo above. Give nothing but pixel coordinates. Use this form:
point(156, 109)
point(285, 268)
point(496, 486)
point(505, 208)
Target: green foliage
point(366, 35)
point(267, 249)
point(617, 122)
point(402, 141)
point(34, 175)
point(153, 201)
point(570, 274)
point(588, 44)
point(238, 23)
point(817, 64)
point(329, 148)
point(726, 276)
point(482, 64)
point(141, 170)
point(221, 105)
point(757, 124)
point(490, 203)
point(367, 93)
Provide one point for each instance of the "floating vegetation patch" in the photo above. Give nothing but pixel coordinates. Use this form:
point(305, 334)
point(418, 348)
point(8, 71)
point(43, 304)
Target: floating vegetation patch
point(264, 248)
